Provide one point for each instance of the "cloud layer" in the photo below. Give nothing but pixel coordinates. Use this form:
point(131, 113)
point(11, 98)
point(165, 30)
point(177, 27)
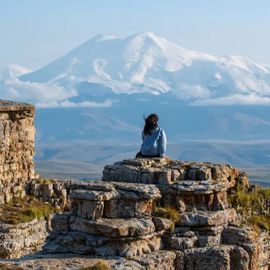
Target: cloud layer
point(43, 95)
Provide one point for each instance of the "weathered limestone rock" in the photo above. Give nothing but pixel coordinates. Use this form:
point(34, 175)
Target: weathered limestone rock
point(22, 239)
point(160, 260)
point(113, 218)
point(54, 191)
point(216, 258)
point(163, 171)
point(112, 200)
point(112, 228)
point(17, 138)
point(120, 215)
point(162, 223)
point(108, 219)
point(209, 218)
point(85, 243)
point(256, 245)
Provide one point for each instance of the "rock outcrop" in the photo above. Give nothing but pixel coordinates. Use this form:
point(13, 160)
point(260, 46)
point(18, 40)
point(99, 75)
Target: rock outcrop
point(22, 239)
point(17, 138)
point(131, 214)
point(146, 213)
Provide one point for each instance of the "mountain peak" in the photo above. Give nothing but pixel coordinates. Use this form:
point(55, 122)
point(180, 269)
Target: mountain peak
point(102, 37)
point(147, 63)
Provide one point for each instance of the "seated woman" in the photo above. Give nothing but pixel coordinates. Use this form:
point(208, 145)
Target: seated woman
point(154, 139)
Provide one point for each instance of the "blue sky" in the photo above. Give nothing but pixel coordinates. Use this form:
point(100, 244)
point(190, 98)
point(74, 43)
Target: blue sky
point(33, 33)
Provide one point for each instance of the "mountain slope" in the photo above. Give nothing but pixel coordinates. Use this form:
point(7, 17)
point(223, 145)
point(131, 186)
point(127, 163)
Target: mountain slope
point(107, 84)
point(146, 63)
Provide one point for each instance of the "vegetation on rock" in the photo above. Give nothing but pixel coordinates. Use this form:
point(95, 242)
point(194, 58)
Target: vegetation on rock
point(24, 210)
point(253, 204)
point(100, 265)
point(168, 212)
point(43, 181)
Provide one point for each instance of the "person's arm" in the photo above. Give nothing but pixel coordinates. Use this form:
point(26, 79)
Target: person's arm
point(143, 136)
point(162, 143)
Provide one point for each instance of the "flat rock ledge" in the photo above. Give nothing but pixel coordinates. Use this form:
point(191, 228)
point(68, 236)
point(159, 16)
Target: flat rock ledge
point(157, 261)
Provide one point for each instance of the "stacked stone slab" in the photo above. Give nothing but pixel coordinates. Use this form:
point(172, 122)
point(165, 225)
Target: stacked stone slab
point(207, 230)
point(17, 138)
point(109, 219)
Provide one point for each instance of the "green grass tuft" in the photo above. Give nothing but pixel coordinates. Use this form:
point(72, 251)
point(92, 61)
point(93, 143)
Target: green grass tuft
point(26, 209)
point(252, 206)
point(168, 212)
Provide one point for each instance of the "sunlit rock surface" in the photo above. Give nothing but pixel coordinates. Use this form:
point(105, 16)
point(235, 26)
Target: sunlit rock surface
point(145, 213)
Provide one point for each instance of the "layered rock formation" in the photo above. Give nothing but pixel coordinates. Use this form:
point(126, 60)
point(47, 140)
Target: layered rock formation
point(154, 213)
point(22, 239)
point(108, 219)
point(128, 215)
point(17, 138)
point(208, 228)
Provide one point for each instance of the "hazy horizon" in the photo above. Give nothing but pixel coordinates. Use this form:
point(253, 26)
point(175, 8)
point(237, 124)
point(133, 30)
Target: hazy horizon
point(34, 33)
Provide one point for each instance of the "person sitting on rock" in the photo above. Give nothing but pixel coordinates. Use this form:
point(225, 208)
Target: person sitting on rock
point(154, 139)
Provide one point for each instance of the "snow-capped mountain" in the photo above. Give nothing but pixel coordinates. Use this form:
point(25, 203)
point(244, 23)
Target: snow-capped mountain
point(108, 83)
point(141, 63)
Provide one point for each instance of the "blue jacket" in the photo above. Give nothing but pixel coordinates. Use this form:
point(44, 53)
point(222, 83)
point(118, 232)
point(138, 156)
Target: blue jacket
point(154, 144)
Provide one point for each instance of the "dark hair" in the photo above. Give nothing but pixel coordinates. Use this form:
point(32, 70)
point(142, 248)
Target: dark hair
point(151, 122)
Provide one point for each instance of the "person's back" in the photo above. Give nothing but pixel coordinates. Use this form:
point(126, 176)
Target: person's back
point(154, 139)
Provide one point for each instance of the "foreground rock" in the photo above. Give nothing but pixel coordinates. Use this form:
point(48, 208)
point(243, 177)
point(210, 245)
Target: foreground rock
point(107, 219)
point(22, 239)
point(137, 224)
point(159, 261)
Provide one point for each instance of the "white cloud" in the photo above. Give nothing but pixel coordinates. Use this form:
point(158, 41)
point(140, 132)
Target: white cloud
point(250, 99)
point(69, 104)
point(186, 92)
point(15, 89)
point(250, 121)
point(43, 95)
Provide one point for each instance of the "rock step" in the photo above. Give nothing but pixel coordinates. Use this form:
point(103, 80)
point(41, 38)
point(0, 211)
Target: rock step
point(113, 228)
point(85, 243)
point(207, 218)
point(165, 171)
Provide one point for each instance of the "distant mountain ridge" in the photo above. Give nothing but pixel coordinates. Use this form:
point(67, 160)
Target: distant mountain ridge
point(146, 63)
point(107, 84)
point(99, 92)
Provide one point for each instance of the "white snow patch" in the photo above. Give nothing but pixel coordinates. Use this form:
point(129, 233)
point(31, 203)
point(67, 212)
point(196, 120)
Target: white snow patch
point(218, 76)
point(99, 65)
